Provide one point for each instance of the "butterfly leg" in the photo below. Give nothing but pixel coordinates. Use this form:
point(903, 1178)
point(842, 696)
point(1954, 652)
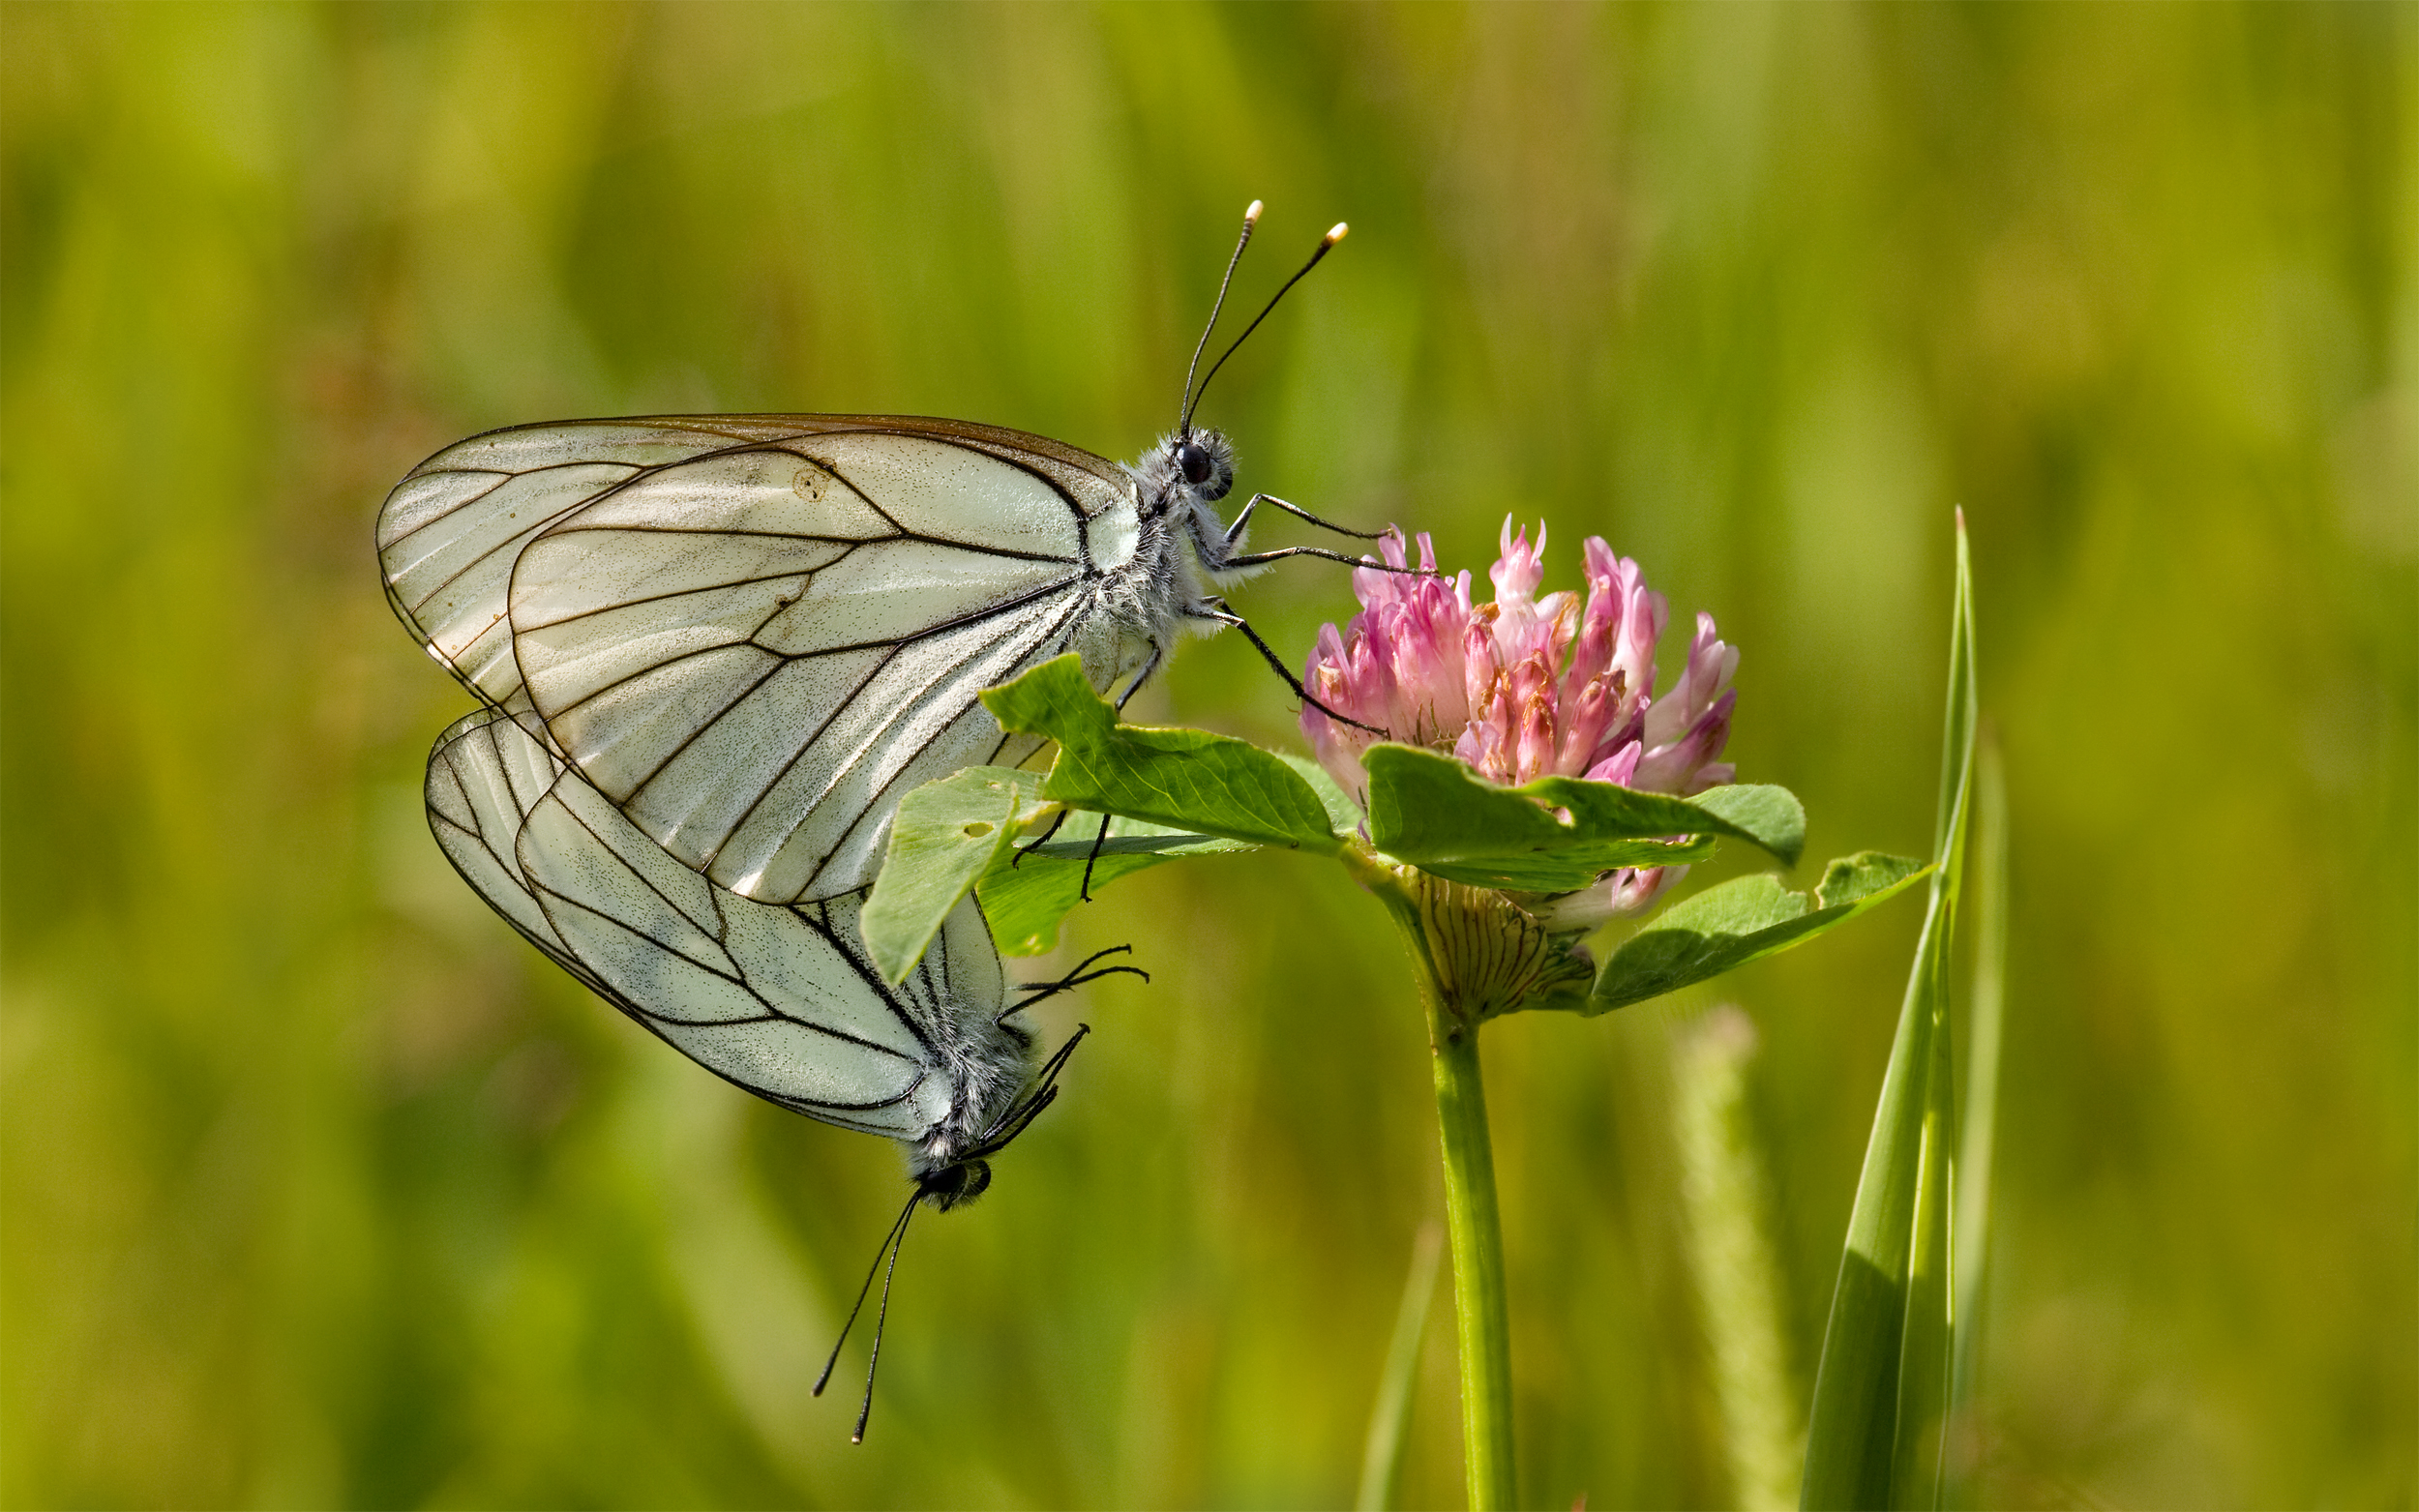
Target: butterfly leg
point(1243, 518)
point(1021, 851)
point(1263, 558)
point(1082, 974)
point(1045, 1090)
point(1150, 665)
point(1097, 841)
point(1229, 617)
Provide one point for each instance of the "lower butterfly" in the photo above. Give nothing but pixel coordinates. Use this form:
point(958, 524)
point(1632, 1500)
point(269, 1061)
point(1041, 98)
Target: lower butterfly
point(780, 1000)
point(755, 633)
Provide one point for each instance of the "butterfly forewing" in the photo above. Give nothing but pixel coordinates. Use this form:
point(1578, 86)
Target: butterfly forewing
point(755, 634)
point(448, 534)
point(775, 808)
point(777, 999)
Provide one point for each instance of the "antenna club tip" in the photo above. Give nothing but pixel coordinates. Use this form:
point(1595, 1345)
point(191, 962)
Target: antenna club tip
point(1338, 234)
point(1251, 213)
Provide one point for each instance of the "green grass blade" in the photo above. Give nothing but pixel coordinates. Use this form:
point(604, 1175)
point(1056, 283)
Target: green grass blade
point(1880, 1389)
point(1979, 1111)
point(1390, 1414)
point(1923, 1350)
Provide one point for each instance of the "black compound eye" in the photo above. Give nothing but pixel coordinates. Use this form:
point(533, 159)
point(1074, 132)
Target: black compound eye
point(1192, 460)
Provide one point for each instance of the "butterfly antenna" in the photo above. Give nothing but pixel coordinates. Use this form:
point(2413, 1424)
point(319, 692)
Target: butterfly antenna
point(1326, 244)
point(882, 1316)
point(1183, 401)
point(889, 1247)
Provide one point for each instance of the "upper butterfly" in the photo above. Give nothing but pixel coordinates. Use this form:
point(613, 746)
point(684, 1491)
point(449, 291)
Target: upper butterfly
point(755, 633)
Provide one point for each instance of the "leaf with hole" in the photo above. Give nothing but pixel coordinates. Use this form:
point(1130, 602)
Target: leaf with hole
point(945, 837)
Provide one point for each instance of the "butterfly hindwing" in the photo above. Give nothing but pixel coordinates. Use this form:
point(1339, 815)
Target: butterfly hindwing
point(485, 773)
point(780, 1000)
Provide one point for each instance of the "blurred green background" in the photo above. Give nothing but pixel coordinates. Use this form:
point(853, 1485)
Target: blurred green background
point(323, 1189)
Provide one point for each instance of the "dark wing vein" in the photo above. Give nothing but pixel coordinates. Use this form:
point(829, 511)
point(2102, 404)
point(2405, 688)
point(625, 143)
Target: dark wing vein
point(452, 510)
point(971, 618)
point(618, 604)
point(764, 789)
point(868, 975)
point(737, 976)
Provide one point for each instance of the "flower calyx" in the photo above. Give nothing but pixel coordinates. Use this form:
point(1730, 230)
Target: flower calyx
point(1489, 956)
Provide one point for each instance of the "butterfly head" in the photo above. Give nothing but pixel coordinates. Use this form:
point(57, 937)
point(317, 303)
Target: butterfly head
point(955, 1184)
point(1186, 469)
point(1206, 460)
point(951, 1166)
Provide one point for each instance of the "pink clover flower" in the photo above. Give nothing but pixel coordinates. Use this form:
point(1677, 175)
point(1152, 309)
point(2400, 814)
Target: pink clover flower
point(1526, 687)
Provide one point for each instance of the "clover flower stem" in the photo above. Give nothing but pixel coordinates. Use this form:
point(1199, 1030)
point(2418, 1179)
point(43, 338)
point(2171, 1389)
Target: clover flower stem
point(1474, 1225)
point(1478, 1238)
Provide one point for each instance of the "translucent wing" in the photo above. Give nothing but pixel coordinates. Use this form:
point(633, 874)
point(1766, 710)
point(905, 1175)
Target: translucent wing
point(485, 775)
point(779, 1001)
point(755, 633)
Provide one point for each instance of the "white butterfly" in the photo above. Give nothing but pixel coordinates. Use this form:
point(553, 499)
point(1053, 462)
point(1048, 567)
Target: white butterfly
point(780, 1000)
point(755, 634)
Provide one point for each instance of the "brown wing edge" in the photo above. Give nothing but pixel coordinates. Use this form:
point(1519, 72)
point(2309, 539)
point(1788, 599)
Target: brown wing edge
point(744, 429)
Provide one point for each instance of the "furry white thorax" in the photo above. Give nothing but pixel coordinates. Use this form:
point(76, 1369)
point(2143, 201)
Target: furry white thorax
point(986, 1074)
